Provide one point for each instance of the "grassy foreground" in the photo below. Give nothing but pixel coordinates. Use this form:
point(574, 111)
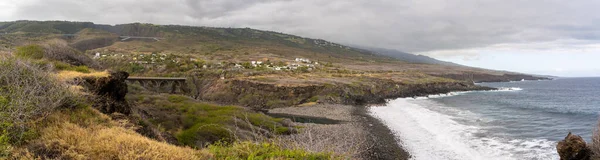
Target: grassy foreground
point(63, 125)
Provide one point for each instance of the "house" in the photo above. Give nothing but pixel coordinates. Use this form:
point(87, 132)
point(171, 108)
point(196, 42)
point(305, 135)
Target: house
point(97, 55)
point(238, 66)
point(304, 60)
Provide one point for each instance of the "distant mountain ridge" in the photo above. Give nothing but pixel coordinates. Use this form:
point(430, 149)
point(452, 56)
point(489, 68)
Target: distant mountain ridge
point(408, 57)
point(213, 34)
point(238, 44)
point(226, 34)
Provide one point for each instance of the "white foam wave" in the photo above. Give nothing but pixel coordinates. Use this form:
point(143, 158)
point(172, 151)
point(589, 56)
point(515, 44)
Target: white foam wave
point(450, 94)
point(429, 130)
point(509, 89)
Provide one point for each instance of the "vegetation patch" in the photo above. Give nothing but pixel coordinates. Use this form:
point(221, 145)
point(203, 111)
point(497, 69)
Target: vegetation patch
point(30, 51)
point(65, 66)
point(198, 124)
point(72, 141)
point(28, 94)
point(265, 150)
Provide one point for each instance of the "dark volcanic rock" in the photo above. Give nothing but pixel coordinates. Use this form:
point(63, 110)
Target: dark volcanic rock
point(111, 92)
point(573, 147)
point(477, 78)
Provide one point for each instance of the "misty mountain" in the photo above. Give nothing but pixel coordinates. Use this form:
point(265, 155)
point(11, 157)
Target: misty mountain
point(408, 57)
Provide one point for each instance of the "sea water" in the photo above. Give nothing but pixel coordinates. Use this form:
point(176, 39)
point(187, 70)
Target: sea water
point(521, 120)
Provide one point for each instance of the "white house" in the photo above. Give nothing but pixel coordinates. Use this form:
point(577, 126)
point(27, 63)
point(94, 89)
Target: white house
point(304, 60)
point(238, 66)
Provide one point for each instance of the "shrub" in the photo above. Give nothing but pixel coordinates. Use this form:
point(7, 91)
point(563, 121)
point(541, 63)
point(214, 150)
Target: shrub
point(28, 93)
point(313, 99)
point(265, 150)
point(202, 135)
point(64, 66)
point(135, 68)
point(5, 146)
point(177, 98)
point(197, 124)
point(60, 51)
point(82, 69)
point(302, 69)
point(30, 51)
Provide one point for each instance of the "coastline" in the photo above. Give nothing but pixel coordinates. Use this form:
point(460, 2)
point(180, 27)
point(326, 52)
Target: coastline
point(357, 135)
point(385, 145)
point(372, 139)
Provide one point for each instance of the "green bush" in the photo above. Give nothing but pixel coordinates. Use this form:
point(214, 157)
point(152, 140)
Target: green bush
point(5, 146)
point(135, 68)
point(177, 98)
point(302, 69)
point(314, 99)
point(64, 66)
point(265, 150)
point(30, 51)
point(197, 124)
point(201, 135)
point(82, 69)
point(61, 65)
point(277, 103)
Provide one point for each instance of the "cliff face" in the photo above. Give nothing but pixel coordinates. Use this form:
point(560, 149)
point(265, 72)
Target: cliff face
point(477, 78)
point(263, 95)
point(110, 92)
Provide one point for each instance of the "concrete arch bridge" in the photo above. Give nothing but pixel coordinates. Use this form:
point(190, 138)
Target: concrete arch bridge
point(174, 85)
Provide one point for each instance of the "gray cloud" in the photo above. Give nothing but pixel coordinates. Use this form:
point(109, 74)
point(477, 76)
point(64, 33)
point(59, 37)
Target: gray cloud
point(408, 25)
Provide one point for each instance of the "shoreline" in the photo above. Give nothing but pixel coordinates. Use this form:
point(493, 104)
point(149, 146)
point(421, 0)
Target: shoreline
point(372, 138)
point(385, 145)
point(359, 135)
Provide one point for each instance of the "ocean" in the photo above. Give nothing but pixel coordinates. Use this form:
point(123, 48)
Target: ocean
point(522, 120)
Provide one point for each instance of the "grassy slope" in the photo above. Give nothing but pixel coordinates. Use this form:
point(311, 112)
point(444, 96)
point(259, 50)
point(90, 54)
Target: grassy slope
point(238, 44)
point(75, 130)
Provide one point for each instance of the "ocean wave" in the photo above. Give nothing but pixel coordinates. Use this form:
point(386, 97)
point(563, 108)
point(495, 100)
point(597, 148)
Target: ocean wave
point(450, 94)
point(429, 130)
point(508, 89)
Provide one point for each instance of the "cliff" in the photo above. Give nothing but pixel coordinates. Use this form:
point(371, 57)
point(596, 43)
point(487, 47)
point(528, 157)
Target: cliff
point(264, 95)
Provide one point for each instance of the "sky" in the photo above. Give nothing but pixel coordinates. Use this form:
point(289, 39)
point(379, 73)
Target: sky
point(553, 37)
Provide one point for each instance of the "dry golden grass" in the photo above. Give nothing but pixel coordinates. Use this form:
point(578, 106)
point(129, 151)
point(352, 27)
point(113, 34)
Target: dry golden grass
point(98, 142)
point(66, 76)
point(70, 75)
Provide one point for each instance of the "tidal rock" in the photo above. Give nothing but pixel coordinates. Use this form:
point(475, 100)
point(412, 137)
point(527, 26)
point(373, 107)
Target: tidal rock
point(573, 147)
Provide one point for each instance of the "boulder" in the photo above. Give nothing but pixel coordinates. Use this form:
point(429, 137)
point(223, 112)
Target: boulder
point(573, 147)
point(111, 92)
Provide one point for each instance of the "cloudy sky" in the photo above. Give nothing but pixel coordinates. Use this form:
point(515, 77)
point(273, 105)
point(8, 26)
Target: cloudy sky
point(556, 37)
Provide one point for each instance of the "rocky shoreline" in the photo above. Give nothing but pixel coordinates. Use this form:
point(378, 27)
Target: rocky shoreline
point(359, 135)
point(374, 140)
